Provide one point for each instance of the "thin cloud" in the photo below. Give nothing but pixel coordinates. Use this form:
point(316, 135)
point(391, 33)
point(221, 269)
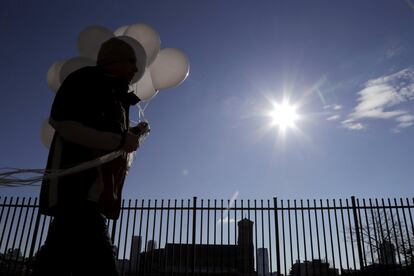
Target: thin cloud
point(333, 118)
point(332, 112)
point(225, 220)
point(382, 98)
point(232, 201)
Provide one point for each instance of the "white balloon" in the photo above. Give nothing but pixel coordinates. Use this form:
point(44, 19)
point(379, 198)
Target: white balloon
point(139, 54)
point(53, 75)
point(148, 38)
point(91, 39)
point(46, 134)
point(74, 64)
point(121, 30)
point(169, 69)
point(144, 88)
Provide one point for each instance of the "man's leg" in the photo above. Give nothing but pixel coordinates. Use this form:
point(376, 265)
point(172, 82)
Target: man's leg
point(53, 257)
point(95, 255)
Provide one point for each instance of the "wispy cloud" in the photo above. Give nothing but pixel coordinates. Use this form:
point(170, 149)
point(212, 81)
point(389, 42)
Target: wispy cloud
point(382, 98)
point(225, 220)
point(333, 118)
point(232, 201)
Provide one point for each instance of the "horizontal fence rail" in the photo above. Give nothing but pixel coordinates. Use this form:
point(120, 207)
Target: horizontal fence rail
point(240, 237)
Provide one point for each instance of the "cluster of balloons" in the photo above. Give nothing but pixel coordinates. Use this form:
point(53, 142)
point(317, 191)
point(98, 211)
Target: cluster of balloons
point(158, 69)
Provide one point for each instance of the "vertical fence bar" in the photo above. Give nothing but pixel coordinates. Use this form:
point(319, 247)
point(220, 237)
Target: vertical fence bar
point(404, 248)
point(139, 261)
point(41, 232)
point(255, 235)
point(228, 237)
point(395, 232)
point(251, 261)
point(145, 270)
point(166, 238)
point(263, 255)
point(15, 261)
point(283, 235)
point(317, 234)
point(357, 233)
point(181, 235)
point(193, 267)
point(126, 237)
point(381, 231)
point(374, 225)
point(270, 237)
point(406, 230)
point(324, 232)
point(214, 235)
point(173, 241)
point(311, 236)
point(221, 237)
point(387, 228)
point(235, 232)
point(120, 230)
point(24, 226)
point(304, 237)
point(368, 232)
point(153, 237)
point(201, 235)
point(131, 261)
point(275, 210)
point(208, 236)
point(297, 236)
point(9, 234)
point(5, 222)
point(160, 237)
point(361, 232)
point(187, 249)
point(290, 234)
point(343, 230)
point(34, 237)
point(330, 233)
point(337, 236)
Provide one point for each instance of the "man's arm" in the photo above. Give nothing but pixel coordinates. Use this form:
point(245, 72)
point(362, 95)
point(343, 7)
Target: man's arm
point(77, 133)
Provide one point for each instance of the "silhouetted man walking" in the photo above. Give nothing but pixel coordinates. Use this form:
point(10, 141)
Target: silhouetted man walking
point(90, 114)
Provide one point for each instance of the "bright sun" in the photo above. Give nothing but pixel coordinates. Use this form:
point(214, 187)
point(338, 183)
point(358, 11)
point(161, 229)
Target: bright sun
point(283, 116)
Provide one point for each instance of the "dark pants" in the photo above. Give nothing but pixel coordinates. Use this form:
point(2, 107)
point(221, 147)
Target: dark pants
point(77, 244)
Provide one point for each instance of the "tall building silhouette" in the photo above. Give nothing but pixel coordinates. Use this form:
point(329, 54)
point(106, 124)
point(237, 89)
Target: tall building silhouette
point(387, 253)
point(262, 262)
point(245, 259)
point(151, 245)
point(135, 251)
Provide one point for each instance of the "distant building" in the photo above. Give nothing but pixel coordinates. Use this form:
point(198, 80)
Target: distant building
point(151, 245)
point(387, 253)
point(135, 251)
point(313, 268)
point(203, 259)
point(262, 262)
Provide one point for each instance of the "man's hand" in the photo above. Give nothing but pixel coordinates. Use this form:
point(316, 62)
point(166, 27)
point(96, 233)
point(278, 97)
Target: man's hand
point(131, 142)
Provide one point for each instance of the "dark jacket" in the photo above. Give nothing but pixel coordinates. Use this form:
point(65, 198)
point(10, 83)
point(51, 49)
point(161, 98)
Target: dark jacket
point(100, 102)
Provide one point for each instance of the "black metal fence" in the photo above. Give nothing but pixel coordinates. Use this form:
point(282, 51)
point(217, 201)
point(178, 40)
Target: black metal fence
point(239, 237)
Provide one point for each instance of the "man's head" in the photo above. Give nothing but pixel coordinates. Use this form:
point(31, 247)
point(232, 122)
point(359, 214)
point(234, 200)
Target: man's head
point(118, 58)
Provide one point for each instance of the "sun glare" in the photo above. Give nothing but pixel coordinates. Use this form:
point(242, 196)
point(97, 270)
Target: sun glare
point(283, 116)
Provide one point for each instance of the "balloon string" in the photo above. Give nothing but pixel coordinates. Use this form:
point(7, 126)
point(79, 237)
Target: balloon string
point(141, 110)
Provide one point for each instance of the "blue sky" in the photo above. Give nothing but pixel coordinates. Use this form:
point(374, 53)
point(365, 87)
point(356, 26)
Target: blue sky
point(349, 66)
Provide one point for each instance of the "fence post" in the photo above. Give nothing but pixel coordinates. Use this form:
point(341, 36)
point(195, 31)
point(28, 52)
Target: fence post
point(34, 239)
point(194, 236)
point(277, 236)
point(357, 230)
